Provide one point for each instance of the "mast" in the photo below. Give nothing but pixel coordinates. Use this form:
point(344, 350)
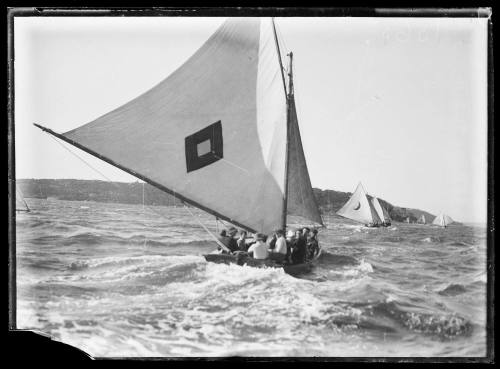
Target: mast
point(279, 55)
point(289, 98)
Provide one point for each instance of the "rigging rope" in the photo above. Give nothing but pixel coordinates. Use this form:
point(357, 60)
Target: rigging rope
point(284, 49)
point(22, 198)
point(83, 160)
point(145, 237)
point(206, 229)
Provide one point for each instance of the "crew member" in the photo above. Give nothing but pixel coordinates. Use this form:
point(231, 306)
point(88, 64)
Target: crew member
point(299, 248)
point(242, 246)
point(259, 249)
point(312, 244)
point(233, 245)
point(228, 241)
point(279, 252)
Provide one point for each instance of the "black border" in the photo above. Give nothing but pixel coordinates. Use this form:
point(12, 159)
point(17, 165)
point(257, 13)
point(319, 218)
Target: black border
point(464, 12)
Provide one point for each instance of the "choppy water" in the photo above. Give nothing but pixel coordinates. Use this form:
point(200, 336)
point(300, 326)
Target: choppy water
point(117, 280)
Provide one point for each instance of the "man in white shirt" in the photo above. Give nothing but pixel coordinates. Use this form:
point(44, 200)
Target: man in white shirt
point(259, 248)
point(279, 252)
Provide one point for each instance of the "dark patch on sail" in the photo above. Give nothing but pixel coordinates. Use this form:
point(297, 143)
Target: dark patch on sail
point(196, 154)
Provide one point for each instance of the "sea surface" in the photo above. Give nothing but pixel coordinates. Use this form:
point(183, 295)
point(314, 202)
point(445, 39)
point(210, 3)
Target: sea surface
point(121, 280)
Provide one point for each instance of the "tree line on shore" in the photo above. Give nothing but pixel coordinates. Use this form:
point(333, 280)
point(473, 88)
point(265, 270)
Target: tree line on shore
point(329, 201)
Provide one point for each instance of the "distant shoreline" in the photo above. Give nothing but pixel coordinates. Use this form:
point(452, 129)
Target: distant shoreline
point(329, 201)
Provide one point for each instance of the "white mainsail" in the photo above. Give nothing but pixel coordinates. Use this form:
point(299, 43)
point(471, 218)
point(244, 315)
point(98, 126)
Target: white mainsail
point(214, 133)
point(442, 220)
point(358, 208)
point(378, 208)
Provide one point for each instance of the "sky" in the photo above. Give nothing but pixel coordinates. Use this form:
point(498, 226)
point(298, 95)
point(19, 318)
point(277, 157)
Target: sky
point(399, 104)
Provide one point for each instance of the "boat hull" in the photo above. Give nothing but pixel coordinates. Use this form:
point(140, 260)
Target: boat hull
point(239, 259)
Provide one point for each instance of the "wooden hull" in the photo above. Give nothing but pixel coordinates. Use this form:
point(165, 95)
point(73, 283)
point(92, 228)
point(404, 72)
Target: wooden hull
point(292, 269)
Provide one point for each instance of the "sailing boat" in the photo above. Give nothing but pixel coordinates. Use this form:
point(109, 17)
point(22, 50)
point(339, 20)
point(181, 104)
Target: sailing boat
point(21, 204)
point(220, 133)
point(442, 220)
point(387, 217)
point(360, 209)
point(421, 220)
point(381, 212)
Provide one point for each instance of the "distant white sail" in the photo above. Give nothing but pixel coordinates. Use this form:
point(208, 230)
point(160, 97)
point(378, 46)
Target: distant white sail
point(378, 208)
point(387, 217)
point(358, 208)
point(21, 204)
point(376, 220)
point(442, 220)
point(421, 220)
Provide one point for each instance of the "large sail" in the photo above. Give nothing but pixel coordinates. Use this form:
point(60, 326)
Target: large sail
point(358, 207)
point(442, 220)
point(301, 199)
point(378, 208)
point(214, 132)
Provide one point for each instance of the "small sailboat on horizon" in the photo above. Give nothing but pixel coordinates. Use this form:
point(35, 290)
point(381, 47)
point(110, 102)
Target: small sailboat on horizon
point(442, 220)
point(421, 219)
point(381, 212)
point(21, 204)
point(360, 209)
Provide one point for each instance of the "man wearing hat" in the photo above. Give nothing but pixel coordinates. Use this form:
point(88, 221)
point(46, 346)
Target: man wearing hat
point(259, 248)
point(227, 238)
point(232, 244)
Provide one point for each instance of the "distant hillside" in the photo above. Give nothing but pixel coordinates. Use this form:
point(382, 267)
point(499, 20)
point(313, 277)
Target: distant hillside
point(329, 201)
point(92, 190)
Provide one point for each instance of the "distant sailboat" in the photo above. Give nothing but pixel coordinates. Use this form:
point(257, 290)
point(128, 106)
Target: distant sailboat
point(381, 212)
point(407, 220)
point(442, 220)
point(387, 217)
point(21, 204)
point(220, 133)
point(421, 220)
point(360, 209)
